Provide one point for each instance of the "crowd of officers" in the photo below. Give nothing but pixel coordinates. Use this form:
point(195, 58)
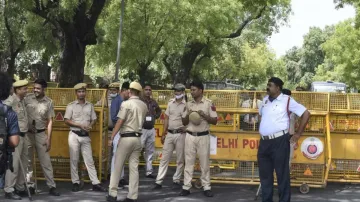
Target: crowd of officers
point(186, 130)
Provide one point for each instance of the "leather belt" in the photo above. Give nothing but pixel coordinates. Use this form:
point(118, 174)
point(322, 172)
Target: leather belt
point(275, 135)
point(175, 131)
point(22, 134)
point(198, 133)
point(80, 133)
point(38, 131)
point(131, 135)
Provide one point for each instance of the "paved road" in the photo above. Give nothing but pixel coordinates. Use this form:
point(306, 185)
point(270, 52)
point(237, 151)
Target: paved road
point(223, 193)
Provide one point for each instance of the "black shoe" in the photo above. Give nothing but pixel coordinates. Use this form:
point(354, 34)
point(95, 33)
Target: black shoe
point(76, 187)
point(184, 193)
point(123, 183)
point(176, 185)
point(32, 190)
point(157, 186)
point(21, 193)
point(12, 196)
point(128, 200)
point(99, 188)
point(151, 176)
point(111, 199)
point(208, 193)
point(53, 192)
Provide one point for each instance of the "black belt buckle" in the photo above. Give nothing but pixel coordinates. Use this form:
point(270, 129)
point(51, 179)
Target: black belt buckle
point(81, 133)
point(175, 131)
point(197, 134)
point(40, 131)
point(22, 134)
point(130, 135)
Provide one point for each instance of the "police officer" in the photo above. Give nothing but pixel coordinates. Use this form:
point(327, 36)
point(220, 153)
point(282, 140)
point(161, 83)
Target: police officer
point(148, 132)
point(40, 110)
point(199, 114)
point(114, 111)
point(80, 116)
point(131, 117)
point(14, 181)
point(13, 131)
point(274, 148)
point(174, 137)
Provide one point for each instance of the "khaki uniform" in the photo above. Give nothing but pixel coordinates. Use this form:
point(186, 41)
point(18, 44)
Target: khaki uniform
point(133, 112)
point(198, 145)
point(173, 141)
point(82, 114)
point(16, 179)
point(40, 111)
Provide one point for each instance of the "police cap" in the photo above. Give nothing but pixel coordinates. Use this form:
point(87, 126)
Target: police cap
point(179, 87)
point(114, 85)
point(195, 118)
point(136, 86)
point(20, 83)
point(80, 86)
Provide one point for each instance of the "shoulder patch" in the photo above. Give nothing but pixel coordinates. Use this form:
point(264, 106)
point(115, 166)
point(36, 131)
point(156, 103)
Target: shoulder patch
point(213, 107)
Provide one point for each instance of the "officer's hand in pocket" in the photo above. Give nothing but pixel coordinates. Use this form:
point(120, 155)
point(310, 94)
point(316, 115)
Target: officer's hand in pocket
point(48, 145)
point(163, 138)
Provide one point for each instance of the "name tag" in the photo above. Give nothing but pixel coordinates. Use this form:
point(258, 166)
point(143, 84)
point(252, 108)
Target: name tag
point(148, 118)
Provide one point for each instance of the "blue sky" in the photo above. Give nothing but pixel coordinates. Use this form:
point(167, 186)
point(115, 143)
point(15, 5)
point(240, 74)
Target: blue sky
point(306, 14)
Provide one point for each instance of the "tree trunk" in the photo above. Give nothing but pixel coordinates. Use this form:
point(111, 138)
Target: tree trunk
point(143, 73)
point(187, 62)
point(41, 71)
point(11, 66)
point(72, 61)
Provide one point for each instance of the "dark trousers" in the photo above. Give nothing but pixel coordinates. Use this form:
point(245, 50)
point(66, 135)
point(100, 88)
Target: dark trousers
point(274, 154)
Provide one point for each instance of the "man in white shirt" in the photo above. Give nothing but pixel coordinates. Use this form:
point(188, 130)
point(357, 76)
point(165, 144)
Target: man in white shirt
point(274, 148)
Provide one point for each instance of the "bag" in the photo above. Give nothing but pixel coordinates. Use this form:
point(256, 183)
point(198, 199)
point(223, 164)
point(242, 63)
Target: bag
point(3, 139)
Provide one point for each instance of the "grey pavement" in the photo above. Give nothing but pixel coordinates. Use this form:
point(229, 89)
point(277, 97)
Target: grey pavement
point(223, 193)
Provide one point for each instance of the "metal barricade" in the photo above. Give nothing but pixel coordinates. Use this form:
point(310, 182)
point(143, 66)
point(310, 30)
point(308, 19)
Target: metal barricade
point(345, 138)
point(237, 139)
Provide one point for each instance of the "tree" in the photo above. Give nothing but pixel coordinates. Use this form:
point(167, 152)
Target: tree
point(342, 55)
point(12, 34)
point(73, 24)
point(180, 34)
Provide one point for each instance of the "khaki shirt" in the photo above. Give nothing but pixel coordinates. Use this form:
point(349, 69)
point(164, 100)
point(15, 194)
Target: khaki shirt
point(207, 107)
point(82, 114)
point(174, 111)
point(19, 107)
point(39, 110)
point(133, 112)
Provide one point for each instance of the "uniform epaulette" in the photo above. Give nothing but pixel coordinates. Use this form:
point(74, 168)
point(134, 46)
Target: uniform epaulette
point(29, 95)
point(172, 100)
point(207, 99)
point(71, 102)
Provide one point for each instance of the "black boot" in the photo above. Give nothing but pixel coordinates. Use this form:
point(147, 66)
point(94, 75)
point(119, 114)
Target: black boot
point(53, 192)
point(76, 187)
point(111, 198)
point(12, 196)
point(99, 188)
